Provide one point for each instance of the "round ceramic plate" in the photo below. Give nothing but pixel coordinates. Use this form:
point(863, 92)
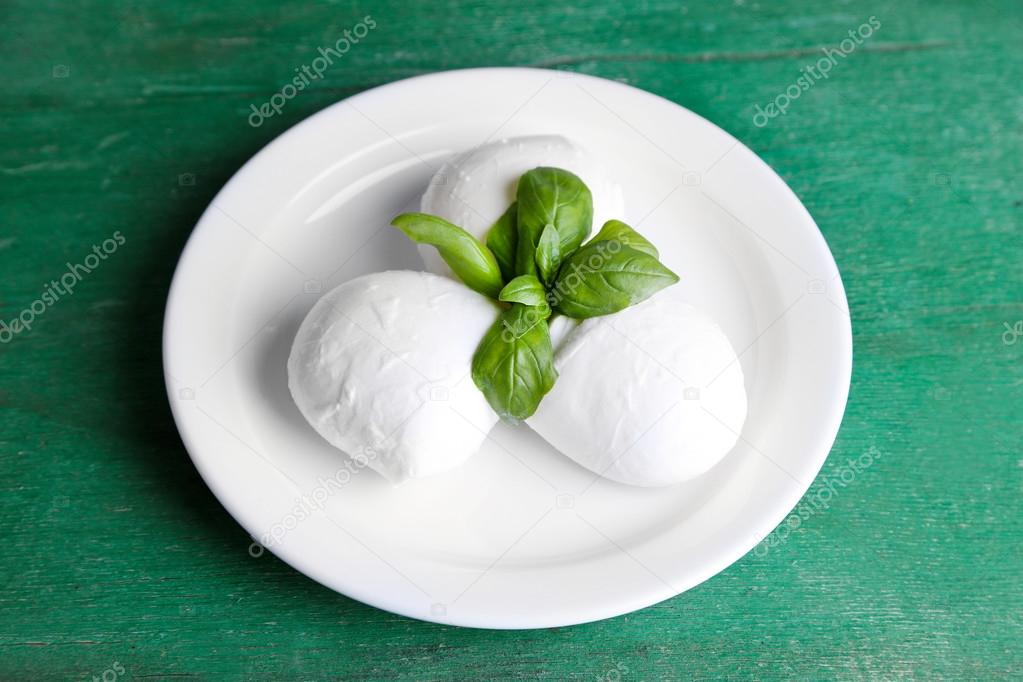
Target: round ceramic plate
point(520, 536)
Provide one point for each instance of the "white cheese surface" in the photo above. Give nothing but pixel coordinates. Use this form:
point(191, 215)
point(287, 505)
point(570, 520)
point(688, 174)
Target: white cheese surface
point(649, 396)
point(380, 368)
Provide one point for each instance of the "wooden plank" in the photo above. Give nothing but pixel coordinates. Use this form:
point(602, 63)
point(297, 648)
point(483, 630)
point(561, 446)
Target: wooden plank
point(130, 117)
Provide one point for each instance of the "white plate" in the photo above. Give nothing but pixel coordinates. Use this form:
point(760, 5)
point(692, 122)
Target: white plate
point(519, 537)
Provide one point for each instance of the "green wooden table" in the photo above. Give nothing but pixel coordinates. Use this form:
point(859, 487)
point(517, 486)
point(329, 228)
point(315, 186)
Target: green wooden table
point(126, 118)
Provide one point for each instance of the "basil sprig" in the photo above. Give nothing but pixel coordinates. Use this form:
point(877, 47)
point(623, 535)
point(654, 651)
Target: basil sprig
point(604, 277)
point(514, 363)
point(535, 261)
point(616, 230)
point(525, 289)
point(550, 199)
point(548, 253)
point(473, 262)
point(502, 240)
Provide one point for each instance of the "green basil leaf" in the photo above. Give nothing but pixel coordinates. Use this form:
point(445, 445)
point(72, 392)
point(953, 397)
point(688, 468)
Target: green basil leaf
point(604, 277)
point(514, 363)
point(616, 230)
point(548, 253)
point(465, 255)
point(527, 290)
point(501, 240)
point(550, 196)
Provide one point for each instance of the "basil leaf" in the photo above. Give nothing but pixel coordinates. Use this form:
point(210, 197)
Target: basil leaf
point(465, 255)
point(604, 277)
point(527, 290)
point(618, 231)
point(548, 253)
point(514, 363)
point(550, 196)
point(501, 240)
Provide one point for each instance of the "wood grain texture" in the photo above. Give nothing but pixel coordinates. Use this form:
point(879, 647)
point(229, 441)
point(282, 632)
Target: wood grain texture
point(130, 116)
